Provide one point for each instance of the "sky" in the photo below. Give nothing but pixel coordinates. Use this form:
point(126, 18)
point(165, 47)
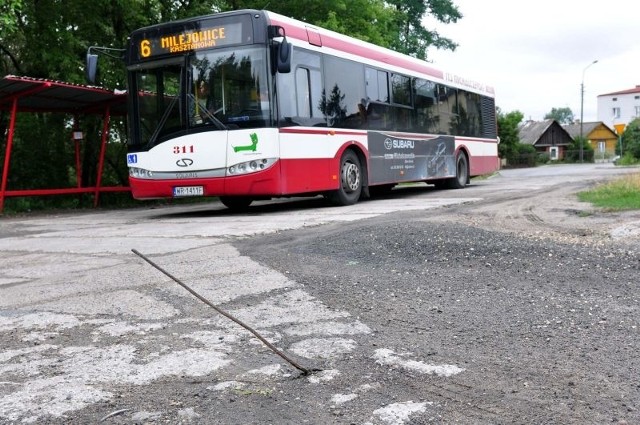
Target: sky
point(536, 53)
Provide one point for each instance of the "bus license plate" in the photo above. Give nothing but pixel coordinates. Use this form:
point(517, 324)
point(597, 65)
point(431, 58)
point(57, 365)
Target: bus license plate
point(183, 191)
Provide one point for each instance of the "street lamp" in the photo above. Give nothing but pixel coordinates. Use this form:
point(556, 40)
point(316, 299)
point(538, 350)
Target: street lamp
point(582, 107)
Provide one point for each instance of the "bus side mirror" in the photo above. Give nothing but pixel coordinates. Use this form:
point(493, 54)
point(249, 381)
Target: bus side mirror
point(91, 65)
point(91, 68)
point(281, 51)
point(284, 57)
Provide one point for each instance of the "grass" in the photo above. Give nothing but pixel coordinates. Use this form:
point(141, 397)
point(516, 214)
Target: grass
point(618, 195)
point(484, 176)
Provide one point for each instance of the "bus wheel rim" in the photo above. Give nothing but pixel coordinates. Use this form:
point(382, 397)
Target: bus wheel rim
point(351, 176)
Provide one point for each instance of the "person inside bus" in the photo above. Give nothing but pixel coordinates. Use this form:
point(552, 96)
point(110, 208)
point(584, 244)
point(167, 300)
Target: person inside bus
point(199, 106)
point(374, 115)
point(262, 98)
point(362, 111)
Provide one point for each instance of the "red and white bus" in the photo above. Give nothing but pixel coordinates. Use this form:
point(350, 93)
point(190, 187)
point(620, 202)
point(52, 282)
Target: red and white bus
point(250, 105)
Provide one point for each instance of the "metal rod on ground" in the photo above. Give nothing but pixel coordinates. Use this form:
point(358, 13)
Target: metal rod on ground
point(227, 315)
point(116, 413)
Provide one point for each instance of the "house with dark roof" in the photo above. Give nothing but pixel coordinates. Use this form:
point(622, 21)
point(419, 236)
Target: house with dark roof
point(546, 136)
point(602, 139)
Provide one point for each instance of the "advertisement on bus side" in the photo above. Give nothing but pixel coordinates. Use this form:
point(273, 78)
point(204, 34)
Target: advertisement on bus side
point(395, 158)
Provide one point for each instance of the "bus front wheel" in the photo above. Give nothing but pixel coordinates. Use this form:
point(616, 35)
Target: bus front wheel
point(350, 180)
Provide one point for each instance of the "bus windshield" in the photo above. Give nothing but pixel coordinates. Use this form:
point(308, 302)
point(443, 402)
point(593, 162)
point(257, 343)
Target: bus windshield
point(205, 90)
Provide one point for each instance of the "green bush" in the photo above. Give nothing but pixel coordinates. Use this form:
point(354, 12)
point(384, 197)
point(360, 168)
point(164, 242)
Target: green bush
point(572, 153)
point(631, 139)
point(627, 159)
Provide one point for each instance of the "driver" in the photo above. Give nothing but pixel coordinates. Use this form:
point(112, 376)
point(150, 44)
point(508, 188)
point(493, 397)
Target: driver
point(201, 103)
point(263, 98)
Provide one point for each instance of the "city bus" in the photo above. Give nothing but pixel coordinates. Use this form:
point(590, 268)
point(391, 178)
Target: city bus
point(250, 105)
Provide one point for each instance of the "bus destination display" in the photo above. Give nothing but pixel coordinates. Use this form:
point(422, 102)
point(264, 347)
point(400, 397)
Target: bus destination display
point(186, 41)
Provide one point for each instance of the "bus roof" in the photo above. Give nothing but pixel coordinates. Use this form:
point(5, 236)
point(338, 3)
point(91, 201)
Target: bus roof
point(320, 37)
point(323, 38)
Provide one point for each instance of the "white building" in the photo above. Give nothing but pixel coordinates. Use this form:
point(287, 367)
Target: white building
point(620, 107)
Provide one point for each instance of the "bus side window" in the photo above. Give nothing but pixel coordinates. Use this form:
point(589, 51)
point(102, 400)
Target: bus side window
point(308, 94)
point(379, 117)
point(402, 118)
point(300, 91)
point(447, 109)
point(316, 93)
point(472, 114)
point(376, 85)
point(303, 93)
point(467, 119)
point(401, 95)
point(286, 97)
point(343, 92)
point(426, 112)
point(400, 90)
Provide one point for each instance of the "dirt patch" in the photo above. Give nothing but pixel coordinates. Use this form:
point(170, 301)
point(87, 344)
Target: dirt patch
point(553, 213)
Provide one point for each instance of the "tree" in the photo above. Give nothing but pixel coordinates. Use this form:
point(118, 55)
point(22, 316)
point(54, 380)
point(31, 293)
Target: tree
point(631, 139)
point(510, 148)
point(508, 133)
point(9, 9)
point(9, 12)
point(562, 115)
point(412, 37)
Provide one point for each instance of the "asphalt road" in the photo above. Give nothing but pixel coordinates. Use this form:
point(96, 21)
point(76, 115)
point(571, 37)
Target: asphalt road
point(492, 304)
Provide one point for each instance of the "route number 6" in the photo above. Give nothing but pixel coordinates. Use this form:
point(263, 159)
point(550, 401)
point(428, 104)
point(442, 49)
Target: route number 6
point(145, 48)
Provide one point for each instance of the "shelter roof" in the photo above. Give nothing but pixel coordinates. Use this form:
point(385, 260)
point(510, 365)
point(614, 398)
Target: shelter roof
point(43, 95)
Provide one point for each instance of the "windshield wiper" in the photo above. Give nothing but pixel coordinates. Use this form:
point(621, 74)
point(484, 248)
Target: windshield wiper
point(210, 115)
point(163, 120)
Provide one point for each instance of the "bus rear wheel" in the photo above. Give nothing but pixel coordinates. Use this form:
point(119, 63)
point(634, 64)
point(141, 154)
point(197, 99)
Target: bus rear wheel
point(236, 203)
point(350, 180)
point(462, 174)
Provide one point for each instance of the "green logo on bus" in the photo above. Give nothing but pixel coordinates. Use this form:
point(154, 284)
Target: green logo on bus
point(252, 147)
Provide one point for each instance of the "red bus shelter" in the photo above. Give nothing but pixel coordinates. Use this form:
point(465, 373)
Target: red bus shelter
point(25, 94)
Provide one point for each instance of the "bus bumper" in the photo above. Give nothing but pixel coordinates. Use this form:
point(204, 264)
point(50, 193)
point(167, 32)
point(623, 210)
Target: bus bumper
point(263, 183)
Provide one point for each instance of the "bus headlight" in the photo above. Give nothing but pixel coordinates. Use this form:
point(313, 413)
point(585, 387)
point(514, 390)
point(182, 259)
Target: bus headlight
point(140, 173)
point(250, 166)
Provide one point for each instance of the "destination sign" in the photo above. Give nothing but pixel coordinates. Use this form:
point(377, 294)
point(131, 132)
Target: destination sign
point(179, 42)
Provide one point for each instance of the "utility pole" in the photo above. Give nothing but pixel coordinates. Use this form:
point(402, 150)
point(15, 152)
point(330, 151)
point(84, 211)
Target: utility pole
point(582, 110)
